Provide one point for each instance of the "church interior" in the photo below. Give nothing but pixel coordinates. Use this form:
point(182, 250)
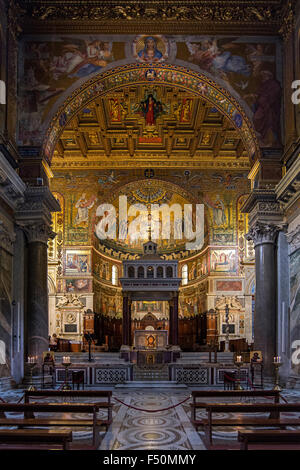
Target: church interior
point(127, 131)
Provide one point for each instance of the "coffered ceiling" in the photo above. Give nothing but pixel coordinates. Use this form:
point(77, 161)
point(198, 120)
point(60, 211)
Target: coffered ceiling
point(139, 125)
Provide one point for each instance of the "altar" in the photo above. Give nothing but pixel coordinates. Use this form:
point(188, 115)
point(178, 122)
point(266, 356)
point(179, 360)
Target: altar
point(153, 340)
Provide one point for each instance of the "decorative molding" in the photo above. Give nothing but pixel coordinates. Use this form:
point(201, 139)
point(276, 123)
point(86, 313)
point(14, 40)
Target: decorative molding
point(69, 300)
point(37, 206)
point(173, 16)
point(232, 302)
point(12, 188)
point(293, 238)
point(264, 233)
point(262, 206)
point(288, 190)
point(288, 19)
point(7, 237)
point(38, 232)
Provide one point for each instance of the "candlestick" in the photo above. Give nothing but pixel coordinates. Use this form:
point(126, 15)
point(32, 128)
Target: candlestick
point(277, 363)
point(238, 363)
point(66, 364)
point(32, 361)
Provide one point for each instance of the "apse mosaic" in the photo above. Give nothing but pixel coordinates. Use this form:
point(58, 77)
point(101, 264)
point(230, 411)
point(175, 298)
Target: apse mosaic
point(225, 224)
point(149, 49)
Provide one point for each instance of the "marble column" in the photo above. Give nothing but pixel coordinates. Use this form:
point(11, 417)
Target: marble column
point(264, 238)
point(125, 337)
point(171, 321)
point(37, 289)
point(175, 320)
point(129, 323)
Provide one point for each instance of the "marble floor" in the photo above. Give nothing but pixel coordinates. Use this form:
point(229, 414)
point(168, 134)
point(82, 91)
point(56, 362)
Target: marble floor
point(169, 429)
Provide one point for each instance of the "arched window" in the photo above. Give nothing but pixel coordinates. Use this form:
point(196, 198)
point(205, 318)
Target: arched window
point(160, 272)
point(169, 271)
point(114, 275)
point(130, 271)
point(185, 274)
point(141, 272)
point(150, 272)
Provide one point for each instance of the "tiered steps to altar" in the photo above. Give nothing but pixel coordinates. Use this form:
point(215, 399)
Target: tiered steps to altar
point(203, 358)
point(108, 358)
point(151, 373)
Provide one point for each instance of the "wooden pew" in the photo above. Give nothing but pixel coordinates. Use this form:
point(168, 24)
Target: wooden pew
point(29, 409)
point(270, 421)
point(34, 439)
point(236, 394)
point(261, 438)
point(94, 394)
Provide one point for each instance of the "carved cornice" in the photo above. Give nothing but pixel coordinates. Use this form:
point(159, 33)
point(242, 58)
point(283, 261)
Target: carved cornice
point(288, 19)
point(262, 206)
point(288, 190)
point(293, 238)
point(173, 16)
point(7, 237)
point(264, 233)
point(34, 214)
point(12, 187)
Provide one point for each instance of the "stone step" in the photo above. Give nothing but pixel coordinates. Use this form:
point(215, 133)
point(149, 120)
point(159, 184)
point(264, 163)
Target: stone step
point(153, 384)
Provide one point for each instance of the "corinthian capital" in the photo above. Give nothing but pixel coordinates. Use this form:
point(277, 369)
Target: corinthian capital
point(264, 233)
point(38, 232)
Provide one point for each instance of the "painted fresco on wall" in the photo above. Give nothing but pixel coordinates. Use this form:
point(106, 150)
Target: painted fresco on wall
point(78, 285)
point(249, 67)
point(51, 65)
point(229, 286)
point(77, 262)
point(223, 261)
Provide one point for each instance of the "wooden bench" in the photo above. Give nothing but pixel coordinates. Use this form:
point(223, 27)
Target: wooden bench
point(260, 438)
point(273, 420)
point(67, 394)
point(34, 439)
point(30, 420)
point(236, 394)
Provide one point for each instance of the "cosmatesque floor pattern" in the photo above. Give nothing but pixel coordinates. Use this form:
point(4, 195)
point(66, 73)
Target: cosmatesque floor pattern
point(133, 429)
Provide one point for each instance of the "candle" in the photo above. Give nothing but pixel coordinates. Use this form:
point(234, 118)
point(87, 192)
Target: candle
point(238, 358)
